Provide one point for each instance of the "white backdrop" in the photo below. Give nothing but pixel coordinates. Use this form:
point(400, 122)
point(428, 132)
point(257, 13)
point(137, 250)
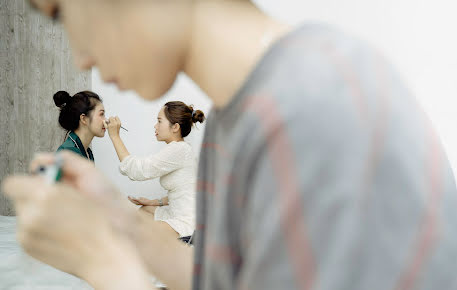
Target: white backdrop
point(418, 36)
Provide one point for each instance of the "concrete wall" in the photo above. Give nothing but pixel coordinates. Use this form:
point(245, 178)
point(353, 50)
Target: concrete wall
point(35, 62)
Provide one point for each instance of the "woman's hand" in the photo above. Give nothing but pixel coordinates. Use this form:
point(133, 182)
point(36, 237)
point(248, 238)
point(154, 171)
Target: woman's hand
point(72, 225)
point(82, 175)
point(113, 126)
point(143, 201)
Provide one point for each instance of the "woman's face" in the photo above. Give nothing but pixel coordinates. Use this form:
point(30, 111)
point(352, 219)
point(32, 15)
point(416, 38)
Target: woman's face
point(136, 44)
point(163, 128)
point(96, 118)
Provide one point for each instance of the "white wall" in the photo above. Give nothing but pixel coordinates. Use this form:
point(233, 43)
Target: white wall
point(418, 36)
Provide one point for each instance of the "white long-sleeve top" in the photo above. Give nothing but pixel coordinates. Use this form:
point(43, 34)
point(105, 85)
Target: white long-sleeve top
point(176, 166)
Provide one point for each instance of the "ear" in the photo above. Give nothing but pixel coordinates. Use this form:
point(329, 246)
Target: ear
point(83, 119)
point(175, 128)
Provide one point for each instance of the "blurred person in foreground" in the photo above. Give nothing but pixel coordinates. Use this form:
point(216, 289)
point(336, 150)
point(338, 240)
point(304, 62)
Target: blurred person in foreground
point(318, 170)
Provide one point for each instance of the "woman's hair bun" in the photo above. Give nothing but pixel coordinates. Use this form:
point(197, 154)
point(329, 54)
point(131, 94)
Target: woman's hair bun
point(61, 98)
point(198, 116)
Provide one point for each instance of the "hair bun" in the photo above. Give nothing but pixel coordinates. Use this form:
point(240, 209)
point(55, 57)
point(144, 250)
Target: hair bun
point(61, 98)
point(198, 116)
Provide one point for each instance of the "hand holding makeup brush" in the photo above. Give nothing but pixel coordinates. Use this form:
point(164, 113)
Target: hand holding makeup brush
point(113, 126)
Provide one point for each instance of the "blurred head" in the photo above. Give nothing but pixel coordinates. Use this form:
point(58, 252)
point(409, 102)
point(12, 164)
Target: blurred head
point(112, 35)
point(84, 110)
point(175, 121)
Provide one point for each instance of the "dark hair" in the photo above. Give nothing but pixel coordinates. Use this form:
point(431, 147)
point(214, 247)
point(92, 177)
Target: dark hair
point(184, 115)
point(71, 108)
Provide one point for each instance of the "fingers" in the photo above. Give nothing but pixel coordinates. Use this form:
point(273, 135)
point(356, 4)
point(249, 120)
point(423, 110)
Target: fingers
point(73, 164)
point(81, 174)
point(24, 188)
point(28, 195)
point(144, 201)
point(41, 159)
point(113, 120)
point(134, 200)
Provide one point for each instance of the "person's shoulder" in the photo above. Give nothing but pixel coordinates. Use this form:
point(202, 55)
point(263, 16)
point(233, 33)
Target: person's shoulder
point(181, 148)
point(312, 60)
point(178, 143)
point(67, 143)
point(306, 35)
point(181, 145)
point(69, 147)
point(313, 43)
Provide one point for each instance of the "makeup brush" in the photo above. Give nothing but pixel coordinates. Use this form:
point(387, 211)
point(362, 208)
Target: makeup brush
point(107, 122)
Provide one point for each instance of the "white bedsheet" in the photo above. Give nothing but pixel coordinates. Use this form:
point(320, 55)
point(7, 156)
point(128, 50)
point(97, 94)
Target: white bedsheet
point(18, 271)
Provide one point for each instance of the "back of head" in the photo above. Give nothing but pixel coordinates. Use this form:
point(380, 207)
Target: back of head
point(184, 115)
point(71, 108)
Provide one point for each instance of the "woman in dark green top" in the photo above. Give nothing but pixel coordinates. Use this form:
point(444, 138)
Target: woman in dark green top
point(82, 116)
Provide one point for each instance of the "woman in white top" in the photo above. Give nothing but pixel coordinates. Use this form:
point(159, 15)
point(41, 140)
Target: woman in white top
point(175, 165)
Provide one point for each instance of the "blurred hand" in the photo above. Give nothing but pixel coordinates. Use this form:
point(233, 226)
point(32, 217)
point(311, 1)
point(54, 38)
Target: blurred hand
point(113, 125)
point(82, 175)
point(57, 225)
point(76, 225)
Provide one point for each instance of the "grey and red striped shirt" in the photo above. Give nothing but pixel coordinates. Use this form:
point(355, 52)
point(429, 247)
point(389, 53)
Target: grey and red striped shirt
point(324, 173)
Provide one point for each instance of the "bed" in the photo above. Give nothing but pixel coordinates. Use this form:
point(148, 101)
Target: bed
point(18, 271)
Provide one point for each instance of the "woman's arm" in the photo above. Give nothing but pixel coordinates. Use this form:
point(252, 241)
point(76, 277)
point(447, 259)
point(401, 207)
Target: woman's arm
point(155, 202)
point(165, 200)
point(146, 201)
point(121, 150)
point(113, 126)
point(168, 159)
point(160, 202)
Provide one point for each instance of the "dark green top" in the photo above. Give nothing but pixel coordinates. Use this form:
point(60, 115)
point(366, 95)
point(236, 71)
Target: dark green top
point(73, 143)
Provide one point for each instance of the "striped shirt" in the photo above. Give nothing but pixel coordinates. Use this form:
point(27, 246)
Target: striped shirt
point(324, 173)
